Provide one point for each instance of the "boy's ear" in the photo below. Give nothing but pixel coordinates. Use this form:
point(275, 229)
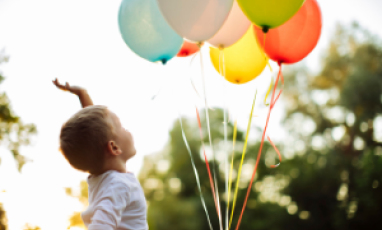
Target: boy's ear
point(113, 148)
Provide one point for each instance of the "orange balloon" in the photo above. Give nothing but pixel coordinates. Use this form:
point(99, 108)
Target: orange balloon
point(295, 39)
point(188, 49)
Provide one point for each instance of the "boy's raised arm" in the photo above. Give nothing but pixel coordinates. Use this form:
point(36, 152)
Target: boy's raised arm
point(80, 92)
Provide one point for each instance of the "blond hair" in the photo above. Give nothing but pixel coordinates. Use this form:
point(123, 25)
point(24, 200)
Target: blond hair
point(84, 137)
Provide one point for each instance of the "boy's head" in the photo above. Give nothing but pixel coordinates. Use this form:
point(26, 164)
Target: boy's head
point(93, 140)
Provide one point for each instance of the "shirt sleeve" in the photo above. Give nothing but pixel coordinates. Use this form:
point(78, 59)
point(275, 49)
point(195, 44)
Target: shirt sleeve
point(108, 209)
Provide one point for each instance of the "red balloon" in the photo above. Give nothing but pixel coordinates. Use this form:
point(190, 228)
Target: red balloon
point(187, 49)
point(295, 39)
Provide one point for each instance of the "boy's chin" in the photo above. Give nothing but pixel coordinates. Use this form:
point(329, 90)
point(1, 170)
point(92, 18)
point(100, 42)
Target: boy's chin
point(131, 155)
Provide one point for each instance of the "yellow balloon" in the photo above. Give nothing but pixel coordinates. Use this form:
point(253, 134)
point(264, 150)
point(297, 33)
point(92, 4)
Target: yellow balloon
point(244, 60)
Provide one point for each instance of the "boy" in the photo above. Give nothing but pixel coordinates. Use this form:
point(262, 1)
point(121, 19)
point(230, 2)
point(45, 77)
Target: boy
point(94, 141)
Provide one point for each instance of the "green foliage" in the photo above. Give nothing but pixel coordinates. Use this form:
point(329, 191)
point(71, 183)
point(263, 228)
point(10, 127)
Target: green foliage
point(331, 175)
point(29, 227)
point(13, 132)
point(3, 218)
point(75, 219)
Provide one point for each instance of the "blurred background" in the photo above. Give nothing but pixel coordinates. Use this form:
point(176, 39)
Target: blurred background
point(327, 124)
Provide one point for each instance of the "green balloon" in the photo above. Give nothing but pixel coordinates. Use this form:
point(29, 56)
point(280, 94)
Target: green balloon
point(269, 14)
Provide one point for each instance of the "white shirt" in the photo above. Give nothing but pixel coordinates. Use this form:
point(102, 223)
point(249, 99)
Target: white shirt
point(116, 202)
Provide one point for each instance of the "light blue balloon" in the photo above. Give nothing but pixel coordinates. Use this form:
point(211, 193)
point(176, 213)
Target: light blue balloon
point(146, 32)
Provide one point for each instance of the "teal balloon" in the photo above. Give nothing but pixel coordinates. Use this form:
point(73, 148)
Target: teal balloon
point(146, 32)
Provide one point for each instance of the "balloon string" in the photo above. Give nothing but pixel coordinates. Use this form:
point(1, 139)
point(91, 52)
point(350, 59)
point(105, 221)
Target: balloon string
point(192, 82)
point(269, 90)
point(282, 80)
point(277, 151)
point(155, 95)
point(265, 36)
point(265, 56)
point(270, 85)
point(222, 72)
point(206, 160)
point(220, 64)
point(196, 173)
point(209, 135)
point(261, 147)
point(231, 168)
point(160, 88)
point(277, 98)
point(281, 75)
point(269, 65)
point(242, 160)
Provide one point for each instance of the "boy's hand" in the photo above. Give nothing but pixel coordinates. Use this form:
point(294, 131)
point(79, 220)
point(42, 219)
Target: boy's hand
point(80, 92)
point(73, 89)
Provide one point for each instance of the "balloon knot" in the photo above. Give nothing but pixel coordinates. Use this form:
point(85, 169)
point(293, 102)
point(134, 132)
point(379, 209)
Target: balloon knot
point(265, 29)
point(164, 61)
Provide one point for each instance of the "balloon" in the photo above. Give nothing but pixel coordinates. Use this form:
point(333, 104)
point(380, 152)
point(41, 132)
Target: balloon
point(243, 61)
point(295, 39)
point(268, 14)
point(146, 32)
point(233, 28)
point(195, 20)
point(188, 48)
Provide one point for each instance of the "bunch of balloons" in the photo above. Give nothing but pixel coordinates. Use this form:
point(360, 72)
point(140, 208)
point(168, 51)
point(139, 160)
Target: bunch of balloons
point(285, 30)
point(243, 35)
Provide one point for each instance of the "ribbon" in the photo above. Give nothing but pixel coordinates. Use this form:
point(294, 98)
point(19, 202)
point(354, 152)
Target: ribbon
point(209, 136)
point(192, 82)
point(225, 122)
point(277, 151)
point(269, 90)
point(242, 160)
point(196, 173)
point(270, 68)
point(231, 169)
point(206, 160)
point(273, 101)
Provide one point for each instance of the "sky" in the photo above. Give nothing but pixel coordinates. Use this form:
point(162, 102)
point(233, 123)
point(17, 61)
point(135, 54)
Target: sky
point(78, 41)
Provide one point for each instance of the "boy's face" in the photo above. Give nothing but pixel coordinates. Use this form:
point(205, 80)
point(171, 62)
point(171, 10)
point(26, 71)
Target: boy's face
point(123, 138)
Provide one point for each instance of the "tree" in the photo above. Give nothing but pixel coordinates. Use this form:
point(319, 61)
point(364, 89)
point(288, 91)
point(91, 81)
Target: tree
point(3, 218)
point(29, 227)
point(13, 132)
point(336, 111)
point(332, 169)
point(75, 220)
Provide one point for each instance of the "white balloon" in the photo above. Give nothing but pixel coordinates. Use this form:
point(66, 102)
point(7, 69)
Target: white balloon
point(233, 29)
point(195, 20)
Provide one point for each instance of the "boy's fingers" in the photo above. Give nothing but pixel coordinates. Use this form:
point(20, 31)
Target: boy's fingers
point(58, 85)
